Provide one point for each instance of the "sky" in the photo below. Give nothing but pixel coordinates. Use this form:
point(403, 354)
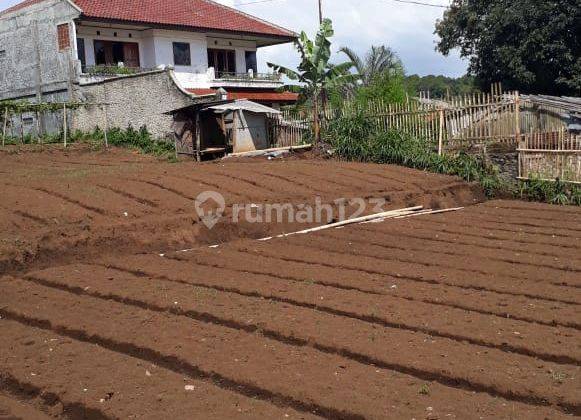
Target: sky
point(359, 24)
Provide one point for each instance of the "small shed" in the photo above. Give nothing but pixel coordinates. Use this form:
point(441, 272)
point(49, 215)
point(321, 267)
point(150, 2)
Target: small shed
point(220, 127)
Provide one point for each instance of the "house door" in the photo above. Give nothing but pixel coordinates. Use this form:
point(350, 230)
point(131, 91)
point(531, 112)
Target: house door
point(131, 54)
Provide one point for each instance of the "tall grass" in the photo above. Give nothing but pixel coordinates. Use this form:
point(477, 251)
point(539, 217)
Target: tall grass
point(357, 138)
point(131, 138)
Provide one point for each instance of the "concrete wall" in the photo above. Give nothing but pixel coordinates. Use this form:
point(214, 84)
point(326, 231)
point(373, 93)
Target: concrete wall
point(29, 39)
point(251, 132)
point(139, 100)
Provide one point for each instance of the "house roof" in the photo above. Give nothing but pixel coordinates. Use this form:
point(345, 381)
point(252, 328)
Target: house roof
point(19, 6)
point(244, 105)
point(253, 95)
point(194, 14)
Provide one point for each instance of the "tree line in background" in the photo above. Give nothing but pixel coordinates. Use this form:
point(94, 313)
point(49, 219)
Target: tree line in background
point(529, 45)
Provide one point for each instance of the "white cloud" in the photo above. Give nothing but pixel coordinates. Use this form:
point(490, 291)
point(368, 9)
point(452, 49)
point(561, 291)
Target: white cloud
point(407, 28)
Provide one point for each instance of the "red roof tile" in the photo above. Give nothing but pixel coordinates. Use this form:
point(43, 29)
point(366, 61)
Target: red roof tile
point(198, 14)
point(195, 14)
point(202, 92)
point(256, 95)
point(264, 96)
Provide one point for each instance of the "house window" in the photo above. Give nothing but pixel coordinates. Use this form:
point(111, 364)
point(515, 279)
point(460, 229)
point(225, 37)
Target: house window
point(2, 54)
point(251, 63)
point(181, 54)
point(64, 39)
point(109, 53)
point(223, 61)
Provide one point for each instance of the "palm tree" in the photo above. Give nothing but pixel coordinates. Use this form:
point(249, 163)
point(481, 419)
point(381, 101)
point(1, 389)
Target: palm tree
point(315, 74)
point(378, 62)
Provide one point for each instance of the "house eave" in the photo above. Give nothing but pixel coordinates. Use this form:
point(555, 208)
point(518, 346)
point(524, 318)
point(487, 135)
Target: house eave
point(263, 39)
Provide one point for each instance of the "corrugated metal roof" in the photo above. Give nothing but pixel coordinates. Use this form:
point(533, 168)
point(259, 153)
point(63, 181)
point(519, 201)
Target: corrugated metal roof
point(245, 105)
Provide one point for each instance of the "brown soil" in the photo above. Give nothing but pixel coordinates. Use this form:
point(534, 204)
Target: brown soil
point(63, 207)
point(472, 314)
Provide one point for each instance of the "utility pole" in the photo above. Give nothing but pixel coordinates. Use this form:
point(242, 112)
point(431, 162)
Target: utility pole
point(320, 11)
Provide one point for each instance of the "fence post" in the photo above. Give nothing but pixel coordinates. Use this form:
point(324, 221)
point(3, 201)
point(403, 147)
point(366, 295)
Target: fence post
point(517, 116)
point(104, 108)
point(441, 134)
point(5, 125)
point(21, 127)
point(38, 127)
point(65, 123)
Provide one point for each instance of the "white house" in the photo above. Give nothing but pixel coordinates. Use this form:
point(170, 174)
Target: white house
point(48, 45)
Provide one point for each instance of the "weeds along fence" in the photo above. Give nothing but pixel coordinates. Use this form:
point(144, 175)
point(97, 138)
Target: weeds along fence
point(550, 155)
point(459, 123)
point(23, 122)
point(535, 126)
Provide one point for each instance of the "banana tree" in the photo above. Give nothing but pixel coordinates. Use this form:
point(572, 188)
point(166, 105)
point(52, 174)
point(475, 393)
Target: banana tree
point(315, 74)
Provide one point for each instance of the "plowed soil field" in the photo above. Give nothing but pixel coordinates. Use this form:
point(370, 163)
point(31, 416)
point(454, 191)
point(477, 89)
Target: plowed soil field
point(464, 315)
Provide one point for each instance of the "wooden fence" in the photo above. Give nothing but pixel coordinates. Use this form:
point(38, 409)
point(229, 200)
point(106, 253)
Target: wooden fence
point(289, 129)
point(477, 121)
point(458, 123)
point(550, 155)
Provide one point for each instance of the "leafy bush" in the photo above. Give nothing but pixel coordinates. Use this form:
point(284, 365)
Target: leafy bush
point(357, 138)
point(556, 192)
point(130, 138)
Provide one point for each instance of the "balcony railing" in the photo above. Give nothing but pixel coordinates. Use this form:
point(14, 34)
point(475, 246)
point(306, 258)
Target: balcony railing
point(250, 76)
point(112, 70)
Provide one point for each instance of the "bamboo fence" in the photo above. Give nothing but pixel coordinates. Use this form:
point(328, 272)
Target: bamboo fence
point(550, 155)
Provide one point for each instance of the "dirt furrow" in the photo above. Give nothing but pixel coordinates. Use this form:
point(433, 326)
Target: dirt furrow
point(388, 242)
point(330, 334)
point(304, 379)
point(57, 371)
point(451, 263)
point(545, 237)
point(420, 274)
point(30, 402)
point(532, 207)
point(437, 237)
point(203, 184)
point(484, 302)
point(98, 210)
point(507, 237)
point(566, 224)
point(122, 193)
point(14, 407)
point(559, 345)
point(562, 229)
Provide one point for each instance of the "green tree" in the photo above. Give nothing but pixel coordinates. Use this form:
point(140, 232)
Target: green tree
point(531, 45)
point(440, 86)
point(379, 61)
point(315, 74)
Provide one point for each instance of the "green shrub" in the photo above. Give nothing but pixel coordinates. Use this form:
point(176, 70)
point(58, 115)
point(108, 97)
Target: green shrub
point(554, 192)
point(130, 138)
point(355, 137)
